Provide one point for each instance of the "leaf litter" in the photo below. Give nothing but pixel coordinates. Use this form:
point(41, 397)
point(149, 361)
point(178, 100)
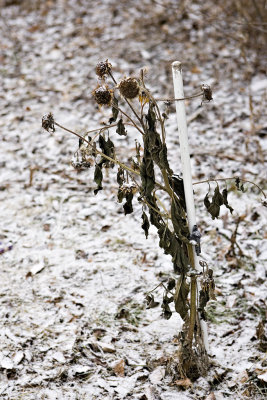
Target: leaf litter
point(58, 310)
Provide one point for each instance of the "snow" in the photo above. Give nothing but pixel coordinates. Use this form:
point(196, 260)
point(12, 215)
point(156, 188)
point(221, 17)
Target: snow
point(76, 260)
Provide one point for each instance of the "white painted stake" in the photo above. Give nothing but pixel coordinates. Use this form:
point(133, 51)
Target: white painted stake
point(184, 148)
point(186, 166)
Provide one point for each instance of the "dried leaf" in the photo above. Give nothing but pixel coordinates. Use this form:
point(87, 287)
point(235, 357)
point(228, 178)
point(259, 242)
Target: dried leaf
point(120, 195)
point(217, 201)
point(120, 176)
point(211, 396)
point(121, 128)
point(147, 175)
point(171, 284)
point(127, 206)
point(185, 383)
point(145, 224)
point(98, 176)
point(165, 306)
point(225, 201)
point(177, 185)
point(107, 147)
point(115, 111)
point(119, 368)
point(181, 297)
point(151, 303)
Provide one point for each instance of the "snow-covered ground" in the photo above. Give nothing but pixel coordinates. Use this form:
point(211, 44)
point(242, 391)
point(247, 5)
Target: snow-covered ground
point(75, 270)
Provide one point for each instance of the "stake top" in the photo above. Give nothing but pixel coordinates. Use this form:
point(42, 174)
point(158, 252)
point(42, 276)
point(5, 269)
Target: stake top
point(177, 65)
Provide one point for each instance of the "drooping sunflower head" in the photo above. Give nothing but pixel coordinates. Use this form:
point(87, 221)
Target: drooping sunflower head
point(129, 88)
point(103, 95)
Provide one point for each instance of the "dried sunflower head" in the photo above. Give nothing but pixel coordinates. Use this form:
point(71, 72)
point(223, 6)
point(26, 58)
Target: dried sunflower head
point(103, 95)
point(103, 68)
point(48, 122)
point(129, 88)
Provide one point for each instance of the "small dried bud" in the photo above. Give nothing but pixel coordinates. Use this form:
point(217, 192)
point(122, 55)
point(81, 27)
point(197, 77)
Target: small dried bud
point(103, 68)
point(48, 122)
point(102, 95)
point(129, 88)
point(207, 92)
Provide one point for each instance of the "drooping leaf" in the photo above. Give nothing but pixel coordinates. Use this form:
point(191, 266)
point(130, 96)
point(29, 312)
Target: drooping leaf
point(217, 201)
point(127, 206)
point(176, 248)
point(238, 186)
point(225, 201)
point(165, 306)
point(203, 300)
point(171, 284)
point(120, 176)
point(98, 177)
point(163, 159)
point(207, 201)
point(151, 117)
point(107, 147)
point(177, 185)
point(121, 128)
point(151, 303)
point(180, 298)
point(147, 175)
point(115, 111)
point(145, 224)
point(120, 195)
point(179, 223)
point(153, 143)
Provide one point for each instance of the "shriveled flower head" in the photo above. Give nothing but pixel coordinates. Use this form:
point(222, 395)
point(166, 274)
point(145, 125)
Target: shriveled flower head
point(48, 122)
point(103, 95)
point(103, 68)
point(129, 88)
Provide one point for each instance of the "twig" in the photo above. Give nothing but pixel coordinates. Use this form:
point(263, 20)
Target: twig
point(182, 98)
point(228, 179)
point(98, 151)
point(107, 157)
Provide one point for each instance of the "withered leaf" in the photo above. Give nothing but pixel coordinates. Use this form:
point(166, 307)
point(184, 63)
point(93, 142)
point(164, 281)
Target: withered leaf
point(119, 368)
point(127, 206)
point(115, 111)
point(225, 201)
point(165, 306)
point(98, 177)
point(177, 185)
point(107, 147)
point(145, 224)
point(171, 284)
point(207, 201)
point(180, 298)
point(147, 175)
point(121, 128)
point(163, 159)
point(120, 195)
point(179, 223)
point(120, 176)
point(203, 300)
point(151, 303)
point(217, 201)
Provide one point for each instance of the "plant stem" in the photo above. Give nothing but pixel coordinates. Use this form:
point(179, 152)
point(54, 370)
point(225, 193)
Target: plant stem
point(107, 157)
point(182, 98)
point(193, 310)
point(228, 179)
point(98, 151)
point(127, 116)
